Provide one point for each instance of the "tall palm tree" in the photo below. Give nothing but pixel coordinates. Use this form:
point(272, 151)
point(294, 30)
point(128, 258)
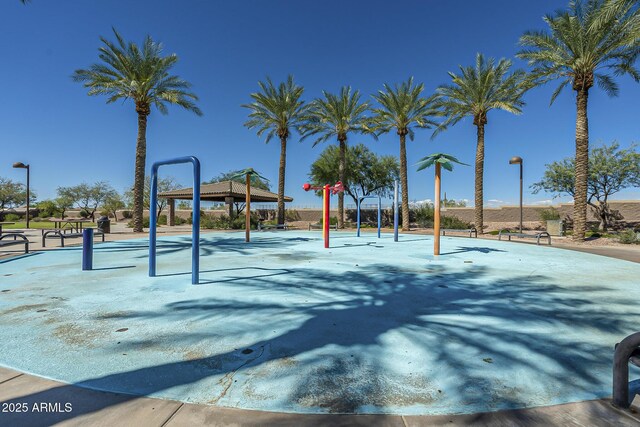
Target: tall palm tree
point(587, 44)
point(403, 108)
point(476, 91)
point(274, 111)
point(337, 115)
point(142, 75)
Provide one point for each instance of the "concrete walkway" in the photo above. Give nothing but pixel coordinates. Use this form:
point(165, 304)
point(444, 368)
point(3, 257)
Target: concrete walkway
point(33, 401)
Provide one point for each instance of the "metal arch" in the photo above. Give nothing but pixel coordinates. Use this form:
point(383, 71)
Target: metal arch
point(627, 348)
point(379, 213)
point(195, 238)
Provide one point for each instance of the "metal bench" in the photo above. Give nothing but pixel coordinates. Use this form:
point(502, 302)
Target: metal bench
point(472, 231)
point(59, 233)
point(537, 236)
point(262, 227)
point(22, 241)
point(319, 226)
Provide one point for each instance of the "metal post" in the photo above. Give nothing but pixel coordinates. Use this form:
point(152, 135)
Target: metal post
point(379, 215)
point(247, 217)
point(358, 218)
point(87, 249)
point(436, 213)
point(395, 211)
point(621, 369)
point(521, 163)
point(28, 196)
point(327, 207)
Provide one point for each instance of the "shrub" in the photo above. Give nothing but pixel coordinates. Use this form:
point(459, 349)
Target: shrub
point(291, 215)
point(127, 214)
point(629, 237)
point(549, 214)
point(145, 223)
point(162, 220)
point(48, 208)
point(84, 213)
point(12, 217)
point(180, 221)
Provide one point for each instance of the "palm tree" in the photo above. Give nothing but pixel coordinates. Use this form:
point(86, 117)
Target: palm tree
point(440, 160)
point(275, 111)
point(475, 92)
point(402, 108)
point(587, 44)
point(141, 74)
point(337, 115)
point(248, 174)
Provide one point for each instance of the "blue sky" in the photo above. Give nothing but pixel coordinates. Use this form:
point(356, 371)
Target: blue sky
point(225, 48)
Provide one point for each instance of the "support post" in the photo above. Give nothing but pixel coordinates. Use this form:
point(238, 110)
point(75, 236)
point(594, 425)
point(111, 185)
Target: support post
point(379, 215)
point(436, 214)
point(395, 211)
point(87, 249)
point(358, 217)
point(326, 209)
point(247, 233)
point(172, 212)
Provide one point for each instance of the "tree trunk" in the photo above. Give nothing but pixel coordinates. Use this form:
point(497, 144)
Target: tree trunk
point(582, 166)
point(479, 196)
point(341, 176)
point(403, 182)
point(283, 163)
point(138, 180)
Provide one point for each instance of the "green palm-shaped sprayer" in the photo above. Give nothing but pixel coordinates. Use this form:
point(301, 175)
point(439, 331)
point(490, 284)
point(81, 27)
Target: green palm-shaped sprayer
point(248, 173)
point(441, 161)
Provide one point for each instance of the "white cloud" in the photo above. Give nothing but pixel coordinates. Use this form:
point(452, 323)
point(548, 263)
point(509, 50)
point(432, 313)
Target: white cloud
point(495, 203)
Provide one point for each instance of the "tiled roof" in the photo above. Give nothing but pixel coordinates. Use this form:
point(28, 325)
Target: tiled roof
point(220, 190)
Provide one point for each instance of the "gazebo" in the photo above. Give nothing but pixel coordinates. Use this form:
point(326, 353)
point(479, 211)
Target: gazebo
point(229, 192)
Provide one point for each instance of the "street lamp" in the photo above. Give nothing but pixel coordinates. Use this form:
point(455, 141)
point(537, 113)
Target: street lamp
point(518, 161)
point(20, 165)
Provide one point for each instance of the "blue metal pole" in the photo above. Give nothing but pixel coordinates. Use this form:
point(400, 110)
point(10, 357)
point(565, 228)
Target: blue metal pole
point(195, 239)
point(87, 249)
point(195, 244)
point(358, 217)
point(395, 211)
point(379, 215)
point(153, 203)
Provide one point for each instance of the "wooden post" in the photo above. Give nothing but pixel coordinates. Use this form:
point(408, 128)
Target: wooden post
point(247, 237)
point(436, 214)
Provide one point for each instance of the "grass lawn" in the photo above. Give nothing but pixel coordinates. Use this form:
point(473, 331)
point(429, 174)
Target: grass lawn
point(38, 224)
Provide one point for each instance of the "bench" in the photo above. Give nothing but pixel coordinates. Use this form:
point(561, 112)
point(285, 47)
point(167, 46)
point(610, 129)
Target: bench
point(59, 233)
point(319, 226)
point(262, 227)
point(537, 236)
point(22, 241)
point(472, 231)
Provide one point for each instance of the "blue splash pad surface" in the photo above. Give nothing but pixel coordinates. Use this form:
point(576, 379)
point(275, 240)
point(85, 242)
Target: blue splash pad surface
point(282, 324)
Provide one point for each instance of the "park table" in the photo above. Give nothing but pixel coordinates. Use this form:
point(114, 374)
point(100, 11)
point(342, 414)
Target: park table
point(73, 224)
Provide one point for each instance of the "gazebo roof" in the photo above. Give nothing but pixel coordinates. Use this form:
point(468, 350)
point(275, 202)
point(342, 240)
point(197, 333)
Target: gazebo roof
point(219, 191)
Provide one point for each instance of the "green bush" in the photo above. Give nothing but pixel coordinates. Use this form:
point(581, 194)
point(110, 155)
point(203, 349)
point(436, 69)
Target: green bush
point(145, 223)
point(291, 215)
point(549, 214)
point(84, 213)
point(127, 214)
point(629, 237)
point(47, 209)
point(162, 220)
point(12, 217)
point(180, 221)
point(424, 217)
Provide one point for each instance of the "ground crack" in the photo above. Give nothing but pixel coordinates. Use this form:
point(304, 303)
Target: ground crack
point(227, 380)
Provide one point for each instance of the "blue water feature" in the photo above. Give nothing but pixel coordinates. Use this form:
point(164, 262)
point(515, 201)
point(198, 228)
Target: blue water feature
point(281, 324)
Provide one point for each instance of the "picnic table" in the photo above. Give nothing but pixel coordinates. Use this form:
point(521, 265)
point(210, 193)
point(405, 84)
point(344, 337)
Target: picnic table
point(5, 223)
point(72, 224)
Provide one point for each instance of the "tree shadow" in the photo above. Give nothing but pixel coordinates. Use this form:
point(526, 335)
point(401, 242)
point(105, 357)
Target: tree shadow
point(336, 355)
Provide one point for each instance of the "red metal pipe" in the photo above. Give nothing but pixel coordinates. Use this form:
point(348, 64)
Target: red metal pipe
point(326, 224)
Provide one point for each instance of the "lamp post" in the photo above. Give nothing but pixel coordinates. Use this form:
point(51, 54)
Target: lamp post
point(20, 165)
point(516, 160)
